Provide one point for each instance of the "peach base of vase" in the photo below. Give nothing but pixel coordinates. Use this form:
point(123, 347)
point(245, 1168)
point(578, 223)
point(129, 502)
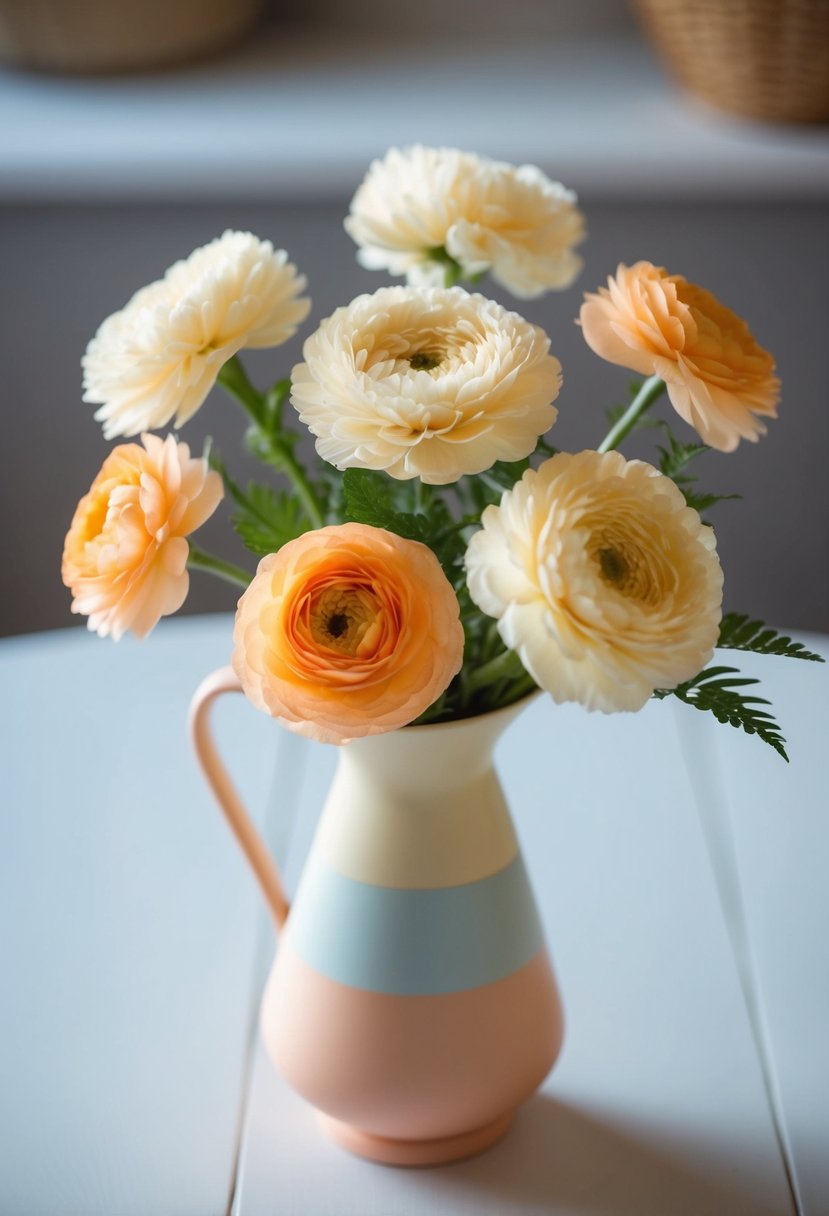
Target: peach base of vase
point(414, 1153)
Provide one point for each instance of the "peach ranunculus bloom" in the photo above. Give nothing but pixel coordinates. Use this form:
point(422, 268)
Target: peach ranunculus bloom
point(125, 555)
point(432, 383)
point(602, 580)
point(488, 215)
point(159, 356)
point(347, 631)
point(719, 379)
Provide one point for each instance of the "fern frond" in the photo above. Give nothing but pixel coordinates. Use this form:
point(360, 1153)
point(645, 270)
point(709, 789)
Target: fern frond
point(717, 690)
point(739, 632)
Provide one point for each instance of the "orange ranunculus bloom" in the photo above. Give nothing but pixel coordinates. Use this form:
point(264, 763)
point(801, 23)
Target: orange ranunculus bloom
point(347, 631)
point(719, 379)
point(125, 555)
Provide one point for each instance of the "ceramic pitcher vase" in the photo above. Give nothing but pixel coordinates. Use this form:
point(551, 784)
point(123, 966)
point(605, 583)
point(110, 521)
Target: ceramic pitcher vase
point(412, 1000)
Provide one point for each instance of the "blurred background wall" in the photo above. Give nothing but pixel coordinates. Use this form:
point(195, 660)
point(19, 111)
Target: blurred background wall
point(106, 180)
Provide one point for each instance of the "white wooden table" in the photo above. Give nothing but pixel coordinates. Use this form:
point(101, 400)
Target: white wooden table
point(680, 870)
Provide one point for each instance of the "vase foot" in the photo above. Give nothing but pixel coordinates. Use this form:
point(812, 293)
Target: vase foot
point(441, 1151)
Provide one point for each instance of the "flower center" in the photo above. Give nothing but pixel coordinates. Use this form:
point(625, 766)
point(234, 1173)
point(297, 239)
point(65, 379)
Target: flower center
point(613, 565)
point(424, 360)
point(627, 566)
point(345, 619)
point(337, 624)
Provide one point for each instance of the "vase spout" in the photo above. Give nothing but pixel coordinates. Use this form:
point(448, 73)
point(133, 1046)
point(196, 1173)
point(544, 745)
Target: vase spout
point(433, 757)
point(420, 807)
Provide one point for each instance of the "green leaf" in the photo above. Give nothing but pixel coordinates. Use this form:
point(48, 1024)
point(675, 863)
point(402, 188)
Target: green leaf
point(267, 519)
point(507, 473)
point(701, 502)
point(716, 690)
point(368, 497)
point(739, 632)
point(546, 449)
point(269, 447)
point(486, 488)
point(674, 460)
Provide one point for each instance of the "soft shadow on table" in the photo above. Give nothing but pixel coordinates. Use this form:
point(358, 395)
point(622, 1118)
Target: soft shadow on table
point(558, 1157)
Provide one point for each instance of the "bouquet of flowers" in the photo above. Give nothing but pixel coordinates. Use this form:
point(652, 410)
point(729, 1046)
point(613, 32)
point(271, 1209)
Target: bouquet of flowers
point(443, 558)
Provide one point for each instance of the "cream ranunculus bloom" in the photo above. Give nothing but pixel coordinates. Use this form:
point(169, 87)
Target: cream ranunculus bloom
point(602, 580)
point(125, 555)
point(487, 215)
point(719, 379)
point(159, 356)
point(346, 632)
point(427, 383)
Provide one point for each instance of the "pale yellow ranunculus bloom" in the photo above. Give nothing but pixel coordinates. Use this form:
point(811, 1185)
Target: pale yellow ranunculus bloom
point(602, 580)
point(428, 383)
point(488, 215)
point(158, 357)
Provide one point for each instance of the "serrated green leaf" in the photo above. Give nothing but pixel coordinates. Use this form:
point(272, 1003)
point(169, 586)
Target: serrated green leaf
point(368, 499)
point(674, 460)
point(267, 519)
point(702, 502)
point(739, 632)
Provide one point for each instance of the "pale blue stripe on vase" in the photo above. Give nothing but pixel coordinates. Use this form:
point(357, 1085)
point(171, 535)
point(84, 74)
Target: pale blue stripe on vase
point(415, 942)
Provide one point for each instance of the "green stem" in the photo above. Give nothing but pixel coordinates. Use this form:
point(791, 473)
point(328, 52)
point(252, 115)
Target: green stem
point(235, 380)
point(284, 461)
point(493, 484)
point(523, 687)
point(647, 394)
point(275, 399)
point(197, 559)
point(452, 270)
point(505, 666)
point(264, 409)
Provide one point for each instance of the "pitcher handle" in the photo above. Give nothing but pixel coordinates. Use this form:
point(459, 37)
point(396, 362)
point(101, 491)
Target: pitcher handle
point(213, 686)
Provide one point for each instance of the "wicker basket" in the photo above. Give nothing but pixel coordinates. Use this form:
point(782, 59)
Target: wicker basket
point(117, 35)
point(763, 58)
